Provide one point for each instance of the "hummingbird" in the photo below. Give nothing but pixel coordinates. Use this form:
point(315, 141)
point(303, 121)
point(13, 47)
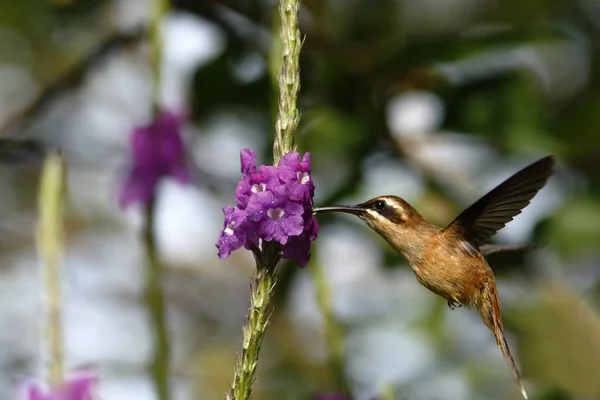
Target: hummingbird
point(450, 261)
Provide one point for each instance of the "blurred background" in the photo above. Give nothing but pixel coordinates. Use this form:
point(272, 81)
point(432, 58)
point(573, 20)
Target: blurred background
point(436, 101)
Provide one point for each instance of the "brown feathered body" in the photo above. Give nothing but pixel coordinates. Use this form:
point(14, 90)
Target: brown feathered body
point(450, 261)
point(447, 265)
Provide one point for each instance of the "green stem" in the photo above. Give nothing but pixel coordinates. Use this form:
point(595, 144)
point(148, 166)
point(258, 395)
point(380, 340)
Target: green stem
point(159, 367)
point(256, 325)
point(159, 10)
point(388, 393)
point(50, 244)
point(288, 79)
point(333, 331)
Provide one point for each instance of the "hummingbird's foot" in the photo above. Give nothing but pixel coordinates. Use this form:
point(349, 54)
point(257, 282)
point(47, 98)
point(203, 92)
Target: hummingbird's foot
point(453, 304)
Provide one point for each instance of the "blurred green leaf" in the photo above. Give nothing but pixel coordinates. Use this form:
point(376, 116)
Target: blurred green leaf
point(559, 341)
point(574, 228)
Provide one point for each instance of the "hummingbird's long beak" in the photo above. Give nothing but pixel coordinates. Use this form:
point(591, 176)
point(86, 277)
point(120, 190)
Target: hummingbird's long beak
point(356, 210)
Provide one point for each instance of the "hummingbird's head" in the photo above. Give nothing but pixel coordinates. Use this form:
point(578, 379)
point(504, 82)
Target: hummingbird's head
point(391, 217)
point(381, 210)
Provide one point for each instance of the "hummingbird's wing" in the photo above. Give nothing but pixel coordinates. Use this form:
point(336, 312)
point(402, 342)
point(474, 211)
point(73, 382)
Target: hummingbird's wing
point(478, 223)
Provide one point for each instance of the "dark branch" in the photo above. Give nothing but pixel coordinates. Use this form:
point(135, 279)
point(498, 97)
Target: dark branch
point(71, 78)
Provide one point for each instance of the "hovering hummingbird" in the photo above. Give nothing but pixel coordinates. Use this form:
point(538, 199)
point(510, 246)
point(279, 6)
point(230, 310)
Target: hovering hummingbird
point(450, 261)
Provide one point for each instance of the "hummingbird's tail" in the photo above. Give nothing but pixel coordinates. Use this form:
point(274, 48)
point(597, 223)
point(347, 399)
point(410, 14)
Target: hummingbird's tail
point(489, 308)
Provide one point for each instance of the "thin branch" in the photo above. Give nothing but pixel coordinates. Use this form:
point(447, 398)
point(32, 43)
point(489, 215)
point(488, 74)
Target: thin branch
point(71, 79)
point(154, 295)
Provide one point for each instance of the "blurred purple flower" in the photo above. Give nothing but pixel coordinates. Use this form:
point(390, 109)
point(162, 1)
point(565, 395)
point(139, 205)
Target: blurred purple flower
point(79, 386)
point(330, 396)
point(157, 152)
point(273, 203)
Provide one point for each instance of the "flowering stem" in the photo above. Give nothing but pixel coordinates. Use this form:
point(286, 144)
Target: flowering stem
point(155, 300)
point(159, 367)
point(288, 79)
point(50, 235)
point(333, 334)
point(159, 10)
point(255, 328)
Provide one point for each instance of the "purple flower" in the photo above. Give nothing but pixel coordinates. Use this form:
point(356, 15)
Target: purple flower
point(330, 396)
point(277, 218)
point(259, 181)
point(237, 232)
point(297, 173)
point(248, 161)
point(298, 248)
point(78, 386)
point(272, 203)
point(254, 180)
point(157, 151)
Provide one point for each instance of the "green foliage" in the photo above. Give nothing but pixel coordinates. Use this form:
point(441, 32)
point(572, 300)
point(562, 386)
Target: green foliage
point(574, 229)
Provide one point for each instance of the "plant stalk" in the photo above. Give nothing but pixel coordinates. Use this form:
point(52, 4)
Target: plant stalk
point(50, 247)
point(160, 364)
point(288, 79)
point(333, 331)
point(159, 367)
point(159, 10)
point(254, 330)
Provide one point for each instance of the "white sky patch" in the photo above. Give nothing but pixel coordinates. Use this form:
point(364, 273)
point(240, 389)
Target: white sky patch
point(373, 356)
point(386, 175)
point(189, 43)
point(250, 67)
point(222, 139)
point(415, 114)
point(188, 221)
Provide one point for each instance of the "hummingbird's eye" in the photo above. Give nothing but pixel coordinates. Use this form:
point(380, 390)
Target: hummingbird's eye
point(379, 205)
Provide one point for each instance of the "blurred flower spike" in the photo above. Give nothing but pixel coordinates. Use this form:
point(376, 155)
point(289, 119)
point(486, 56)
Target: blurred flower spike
point(157, 152)
point(78, 386)
point(272, 203)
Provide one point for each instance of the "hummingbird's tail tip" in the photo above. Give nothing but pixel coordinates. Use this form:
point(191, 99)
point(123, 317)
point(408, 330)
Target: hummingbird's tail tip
point(523, 392)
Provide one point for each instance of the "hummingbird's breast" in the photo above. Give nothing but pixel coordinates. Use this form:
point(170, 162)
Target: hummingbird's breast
point(451, 271)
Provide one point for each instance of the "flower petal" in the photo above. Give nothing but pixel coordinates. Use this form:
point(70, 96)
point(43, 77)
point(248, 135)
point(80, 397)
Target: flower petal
point(80, 386)
point(291, 159)
point(233, 235)
point(248, 161)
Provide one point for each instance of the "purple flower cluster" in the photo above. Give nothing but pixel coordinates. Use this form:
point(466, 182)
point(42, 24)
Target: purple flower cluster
point(79, 386)
point(272, 203)
point(157, 151)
